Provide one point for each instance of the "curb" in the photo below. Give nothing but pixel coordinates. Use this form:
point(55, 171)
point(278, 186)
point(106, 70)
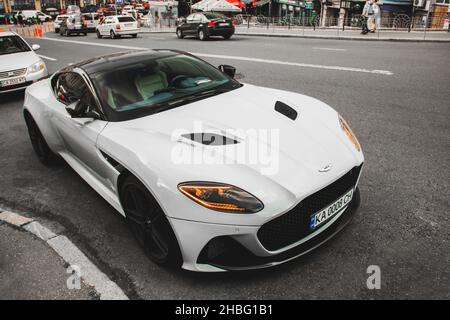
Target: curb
point(91, 275)
point(285, 35)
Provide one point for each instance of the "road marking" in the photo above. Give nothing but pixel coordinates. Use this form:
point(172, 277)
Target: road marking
point(250, 59)
point(296, 64)
point(329, 49)
point(48, 58)
point(91, 275)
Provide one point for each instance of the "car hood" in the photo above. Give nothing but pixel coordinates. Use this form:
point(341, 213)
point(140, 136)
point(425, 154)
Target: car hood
point(289, 153)
point(18, 60)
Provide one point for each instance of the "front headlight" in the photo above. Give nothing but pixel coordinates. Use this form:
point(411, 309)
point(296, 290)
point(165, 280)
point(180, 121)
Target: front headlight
point(38, 66)
point(346, 128)
point(221, 197)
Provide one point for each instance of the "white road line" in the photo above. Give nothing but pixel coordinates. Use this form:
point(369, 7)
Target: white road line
point(250, 59)
point(329, 49)
point(48, 58)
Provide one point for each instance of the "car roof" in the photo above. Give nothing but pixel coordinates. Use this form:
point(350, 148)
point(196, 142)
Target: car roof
point(120, 59)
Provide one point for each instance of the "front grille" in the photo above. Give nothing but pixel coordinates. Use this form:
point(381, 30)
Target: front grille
point(12, 73)
point(294, 224)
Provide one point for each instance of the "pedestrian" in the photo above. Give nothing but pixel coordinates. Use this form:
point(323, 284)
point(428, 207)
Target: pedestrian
point(376, 15)
point(365, 18)
point(20, 19)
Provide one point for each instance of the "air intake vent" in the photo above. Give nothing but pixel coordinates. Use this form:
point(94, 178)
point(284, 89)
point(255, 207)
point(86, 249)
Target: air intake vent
point(284, 109)
point(210, 139)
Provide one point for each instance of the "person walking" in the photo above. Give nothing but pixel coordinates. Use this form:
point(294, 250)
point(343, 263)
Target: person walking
point(376, 15)
point(365, 17)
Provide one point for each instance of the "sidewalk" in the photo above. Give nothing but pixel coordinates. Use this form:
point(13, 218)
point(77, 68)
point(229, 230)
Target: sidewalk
point(339, 34)
point(29, 269)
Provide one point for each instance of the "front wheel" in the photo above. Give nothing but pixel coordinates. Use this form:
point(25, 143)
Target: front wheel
point(40, 146)
point(99, 35)
point(134, 35)
point(112, 34)
point(149, 224)
point(180, 34)
point(201, 35)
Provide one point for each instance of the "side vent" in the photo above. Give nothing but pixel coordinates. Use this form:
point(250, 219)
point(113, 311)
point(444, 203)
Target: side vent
point(210, 139)
point(285, 110)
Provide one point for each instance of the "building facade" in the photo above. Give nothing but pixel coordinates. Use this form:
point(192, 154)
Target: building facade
point(13, 5)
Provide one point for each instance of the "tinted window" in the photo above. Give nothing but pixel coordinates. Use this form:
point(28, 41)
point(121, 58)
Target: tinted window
point(71, 87)
point(126, 19)
point(141, 86)
point(211, 15)
point(12, 44)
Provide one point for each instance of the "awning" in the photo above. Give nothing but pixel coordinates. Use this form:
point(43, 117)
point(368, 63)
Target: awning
point(215, 5)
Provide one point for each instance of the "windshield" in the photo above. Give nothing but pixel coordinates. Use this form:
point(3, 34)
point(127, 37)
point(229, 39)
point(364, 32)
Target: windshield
point(12, 44)
point(159, 84)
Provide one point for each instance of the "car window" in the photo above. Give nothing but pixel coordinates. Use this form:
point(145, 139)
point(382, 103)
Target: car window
point(71, 87)
point(145, 84)
point(190, 18)
point(212, 15)
point(126, 19)
point(12, 44)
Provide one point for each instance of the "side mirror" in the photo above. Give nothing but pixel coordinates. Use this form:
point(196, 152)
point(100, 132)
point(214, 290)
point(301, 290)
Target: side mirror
point(35, 47)
point(73, 109)
point(228, 70)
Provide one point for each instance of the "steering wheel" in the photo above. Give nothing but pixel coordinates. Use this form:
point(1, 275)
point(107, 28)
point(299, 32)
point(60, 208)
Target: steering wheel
point(176, 81)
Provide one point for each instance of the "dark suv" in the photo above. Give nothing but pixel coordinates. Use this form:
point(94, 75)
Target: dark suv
point(206, 24)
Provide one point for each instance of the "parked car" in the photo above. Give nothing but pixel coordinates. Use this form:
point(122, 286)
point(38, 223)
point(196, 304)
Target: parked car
point(20, 66)
point(116, 121)
point(52, 12)
point(57, 22)
point(91, 20)
point(89, 9)
point(28, 14)
point(206, 24)
point(73, 25)
point(117, 26)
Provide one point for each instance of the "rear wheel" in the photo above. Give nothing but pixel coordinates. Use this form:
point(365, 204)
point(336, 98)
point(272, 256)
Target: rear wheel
point(134, 35)
point(201, 35)
point(99, 35)
point(112, 34)
point(40, 146)
point(226, 37)
point(149, 224)
point(180, 34)
point(67, 33)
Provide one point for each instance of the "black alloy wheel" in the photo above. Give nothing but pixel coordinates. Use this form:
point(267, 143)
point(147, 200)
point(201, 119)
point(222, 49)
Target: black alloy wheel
point(149, 224)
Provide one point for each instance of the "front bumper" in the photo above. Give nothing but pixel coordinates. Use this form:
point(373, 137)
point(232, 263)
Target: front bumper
point(30, 79)
point(212, 247)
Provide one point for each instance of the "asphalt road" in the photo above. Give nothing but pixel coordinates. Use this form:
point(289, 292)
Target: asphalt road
point(401, 118)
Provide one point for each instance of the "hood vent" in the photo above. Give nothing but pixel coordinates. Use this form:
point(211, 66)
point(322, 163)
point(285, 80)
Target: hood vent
point(210, 139)
point(285, 110)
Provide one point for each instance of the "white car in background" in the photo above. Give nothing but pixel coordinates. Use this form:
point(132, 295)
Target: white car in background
point(91, 19)
point(117, 26)
point(20, 66)
point(27, 14)
point(58, 20)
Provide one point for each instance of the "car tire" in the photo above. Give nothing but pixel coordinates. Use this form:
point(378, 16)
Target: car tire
point(85, 34)
point(99, 35)
point(149, 224)
point(180, 34)
point(40, 146)
point(67, 33)
point(201, 35)
point(56, 30)
point(112, 34)
point(134, 35)
point(227, 37)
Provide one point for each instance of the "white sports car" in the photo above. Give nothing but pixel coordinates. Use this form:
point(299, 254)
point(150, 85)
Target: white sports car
point(211, 174)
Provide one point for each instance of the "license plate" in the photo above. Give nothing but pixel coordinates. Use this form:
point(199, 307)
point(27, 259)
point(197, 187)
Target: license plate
point(224, 24)
point(11, 82)
point(326, 213)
